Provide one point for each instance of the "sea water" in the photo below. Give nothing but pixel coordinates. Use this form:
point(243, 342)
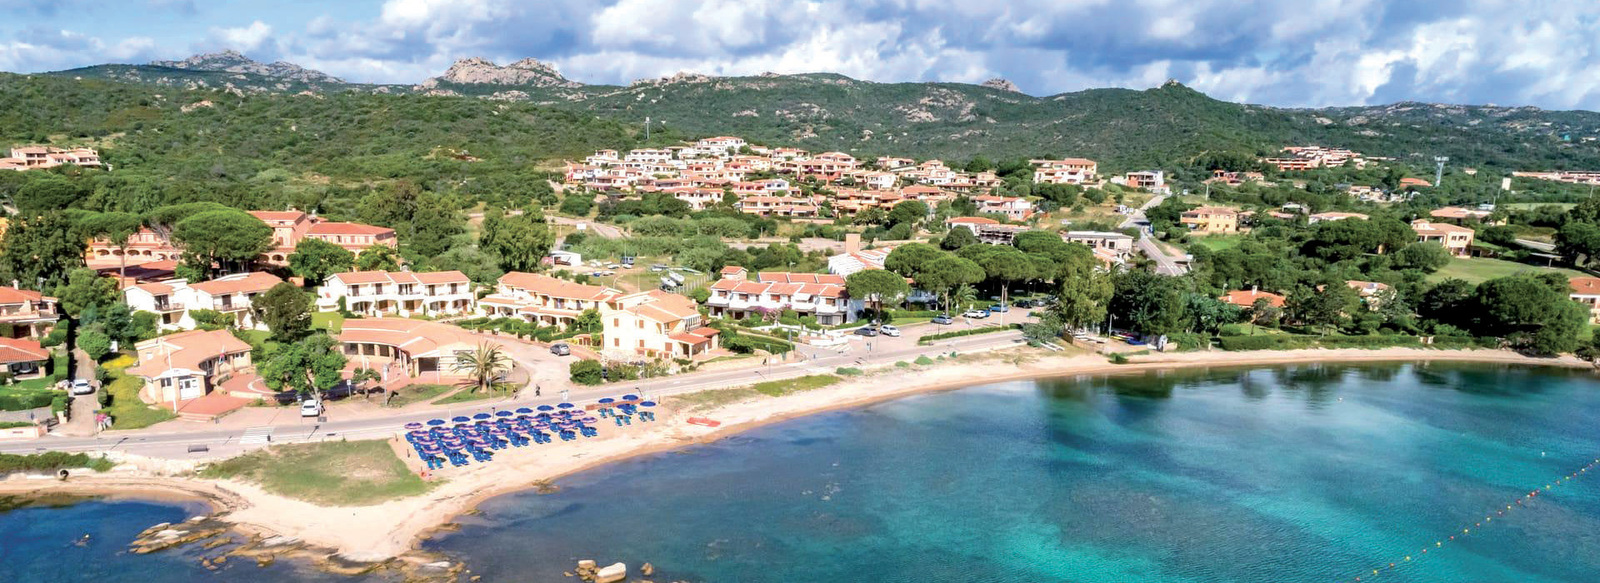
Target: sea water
point(1313, 473)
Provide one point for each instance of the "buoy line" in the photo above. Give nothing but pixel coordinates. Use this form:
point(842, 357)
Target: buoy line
point(1476, 525)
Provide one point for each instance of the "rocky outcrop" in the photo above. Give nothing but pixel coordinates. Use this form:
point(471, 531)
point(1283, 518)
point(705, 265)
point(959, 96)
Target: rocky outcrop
point(481, 71)
point(234, 62)
point(1001, 84)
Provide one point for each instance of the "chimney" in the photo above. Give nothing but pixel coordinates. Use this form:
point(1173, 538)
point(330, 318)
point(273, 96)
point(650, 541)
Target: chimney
point(852, 242)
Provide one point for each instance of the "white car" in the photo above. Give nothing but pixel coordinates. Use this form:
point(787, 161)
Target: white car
point(311, 408)
point(82, 387)
point(888, 330)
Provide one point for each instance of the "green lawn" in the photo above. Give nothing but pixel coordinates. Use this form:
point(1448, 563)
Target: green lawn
point(417, 394)
point(331, 321)
point(1218, 242)
point(1477, 270)
point(335, 473)
point(467, 396)
point(1534, 205)
point(126, 410)
point(58, 364)
point(784, 387)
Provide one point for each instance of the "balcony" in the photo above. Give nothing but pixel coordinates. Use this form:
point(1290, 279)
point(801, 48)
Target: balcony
point(33, 316)
point(232, 308)
point(167, 307)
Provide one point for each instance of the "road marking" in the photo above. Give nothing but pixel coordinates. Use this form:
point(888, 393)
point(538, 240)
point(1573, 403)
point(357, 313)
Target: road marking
point(256, 436)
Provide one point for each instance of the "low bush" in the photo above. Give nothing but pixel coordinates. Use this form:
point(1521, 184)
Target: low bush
point(971, 332)
point(51, 461)
point(24, 399)
point(847, 371)
point(1188, 341)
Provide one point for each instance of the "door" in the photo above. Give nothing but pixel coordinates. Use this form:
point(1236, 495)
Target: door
point(190, 388)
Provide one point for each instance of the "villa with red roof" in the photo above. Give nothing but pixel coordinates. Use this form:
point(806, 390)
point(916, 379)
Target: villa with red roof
point(289, 228)
point(1586, 291)
point(23, 358)
point(403, 293)
point(184, 368)
point(1247, 298)
point(174, 300)
point(822, 296)
point(403, 347)
point(543, 300)
point(30, 313)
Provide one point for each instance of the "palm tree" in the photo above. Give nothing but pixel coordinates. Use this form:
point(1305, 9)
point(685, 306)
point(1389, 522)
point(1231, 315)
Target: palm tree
point(483, 366)
point(965, 296)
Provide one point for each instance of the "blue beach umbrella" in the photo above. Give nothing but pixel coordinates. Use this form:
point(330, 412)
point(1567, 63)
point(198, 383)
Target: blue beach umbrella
point(413, 425)
point(481, 416)
point(546, 408)
point(630, 397)
point(607, 401)
point(503, 413)
point(523, 410)
point(460, 419)
point(435, 422)
point(566, 405)
point(647, 404)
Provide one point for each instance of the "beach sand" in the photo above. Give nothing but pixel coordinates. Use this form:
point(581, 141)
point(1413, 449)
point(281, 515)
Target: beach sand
point(386, 530)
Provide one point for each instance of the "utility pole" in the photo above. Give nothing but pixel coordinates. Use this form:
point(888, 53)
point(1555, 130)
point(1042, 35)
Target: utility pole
point(1438, 171)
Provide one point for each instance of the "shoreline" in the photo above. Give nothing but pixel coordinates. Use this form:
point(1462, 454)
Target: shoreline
point(390, 529)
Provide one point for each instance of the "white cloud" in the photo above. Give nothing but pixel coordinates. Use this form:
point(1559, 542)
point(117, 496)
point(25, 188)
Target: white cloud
point(243, 38)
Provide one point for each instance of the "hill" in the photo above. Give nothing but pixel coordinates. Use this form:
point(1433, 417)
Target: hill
point(1124, 129)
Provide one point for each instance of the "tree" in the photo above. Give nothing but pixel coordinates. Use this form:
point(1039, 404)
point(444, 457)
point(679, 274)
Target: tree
point(965, 296)
point(1351, 238)
point(911, 212)
point(315, 260)
point(1081, 301)
point(1005, 264)
point(378, 257)
point(483, 366)
point(49, 194)
point(85, 290)
point(587, 321)
point(39, 252)
point(520, 242)
point(95, 343)
point(286, 310)
point(1322, 308)
point(948, 272)
point(434, 227)
point(1427, 256)
point(221, 237)
point(1533, 312)
point(874, 286)
point(312, 365)
point(1146, 303)
point(1207, 315)
point(1579, 242)
point(908, 260)
point(586, 372)
point(957, 238)
point(1262, 311)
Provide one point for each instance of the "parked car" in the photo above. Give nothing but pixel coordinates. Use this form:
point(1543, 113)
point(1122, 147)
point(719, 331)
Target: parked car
point(657, 268)
point(889, 330)
point(311, 408)
point(82, 387)
point(976, 313)
point(560, 349)
point(613, 266)
point(866, 331)
point(943, 319)
point(1037, 303)
point(999, 308)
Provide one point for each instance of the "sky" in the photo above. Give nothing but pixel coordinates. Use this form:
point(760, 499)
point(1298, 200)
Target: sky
point(1297, 53)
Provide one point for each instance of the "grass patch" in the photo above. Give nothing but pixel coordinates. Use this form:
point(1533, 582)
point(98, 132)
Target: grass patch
point(333, 322)
point(335, 473)
point(924, 360)
point(125, 408)
point(416, 394)
point(712, 399)
point(59, 365)
point(15, 424)
point(467, 396)
point(1480, 269)
point(1219, 242)
point(784, 387)
point(930, 338)
point(847, 371)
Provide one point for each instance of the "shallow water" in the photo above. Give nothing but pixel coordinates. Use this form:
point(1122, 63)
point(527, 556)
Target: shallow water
point(1296, 474)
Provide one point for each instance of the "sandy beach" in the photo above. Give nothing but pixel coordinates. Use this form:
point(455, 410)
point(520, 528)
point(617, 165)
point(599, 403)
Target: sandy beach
point(386, 530)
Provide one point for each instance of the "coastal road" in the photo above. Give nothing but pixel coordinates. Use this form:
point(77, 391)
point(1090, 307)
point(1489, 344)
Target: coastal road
point(819, 361)
point(1165, 264)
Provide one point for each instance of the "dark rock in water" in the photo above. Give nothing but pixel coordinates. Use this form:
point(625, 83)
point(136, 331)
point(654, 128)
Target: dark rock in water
point(647, 570)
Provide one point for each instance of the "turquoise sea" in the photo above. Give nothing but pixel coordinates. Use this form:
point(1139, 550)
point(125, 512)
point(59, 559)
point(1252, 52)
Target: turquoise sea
point(1300, 474)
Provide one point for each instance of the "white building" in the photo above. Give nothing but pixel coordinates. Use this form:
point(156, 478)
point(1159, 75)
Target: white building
point(174, 300)
point(402, 293)
point(810, 294)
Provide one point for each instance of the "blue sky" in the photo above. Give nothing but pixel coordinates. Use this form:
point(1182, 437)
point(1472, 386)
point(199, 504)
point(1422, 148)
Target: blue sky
point(1289, 53)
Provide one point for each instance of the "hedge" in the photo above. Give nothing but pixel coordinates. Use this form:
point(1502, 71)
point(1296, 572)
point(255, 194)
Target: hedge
point(929, 339)
point(24, 399)
point(1188, 341)
point(1298, 341)
point(51, 461)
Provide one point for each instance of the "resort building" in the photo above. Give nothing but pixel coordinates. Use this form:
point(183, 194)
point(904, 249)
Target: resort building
point(1456, 240)
point(1067, 171)
point(1586, 291)
point(1014, 208)
point(30, 313)
point(822, 296)
point(1120, 244)
point(175, 300)
point(1458, 215)
point(543, 300)
point(289, 228)
point(402, 293)
point(1247, 298)
point(1211, 220)
point(1152, 180)
point(986, 229)
point(31, 157)
point(403, 347)
point(655, 324)
point(853, 261)
point(1315, 218)
point(23, 358)
point(188, 365)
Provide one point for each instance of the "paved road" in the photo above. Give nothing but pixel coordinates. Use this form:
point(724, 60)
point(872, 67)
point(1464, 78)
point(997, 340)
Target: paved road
point(1165, 264)
point(821, 361)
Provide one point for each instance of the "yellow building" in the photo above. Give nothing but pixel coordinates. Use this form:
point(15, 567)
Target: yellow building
point(1211, 220)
